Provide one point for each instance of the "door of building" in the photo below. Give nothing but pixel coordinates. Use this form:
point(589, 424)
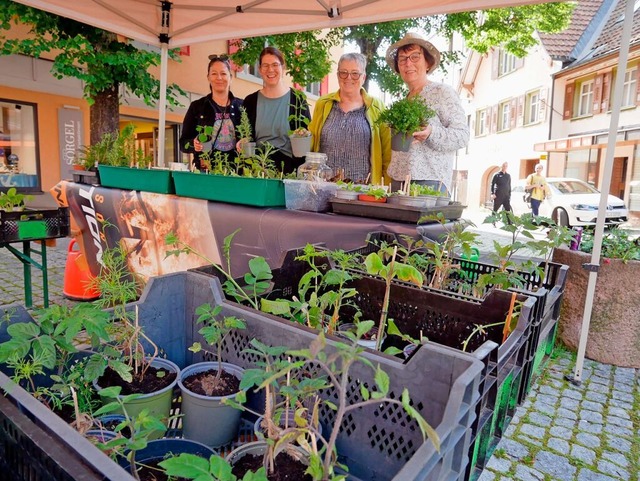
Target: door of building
point(618, 177)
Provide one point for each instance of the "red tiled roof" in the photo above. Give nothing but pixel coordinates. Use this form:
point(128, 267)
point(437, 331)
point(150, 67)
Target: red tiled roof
point(609, 39)
point(560, 45)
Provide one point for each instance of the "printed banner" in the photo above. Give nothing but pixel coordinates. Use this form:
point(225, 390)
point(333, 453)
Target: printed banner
point(69, 138)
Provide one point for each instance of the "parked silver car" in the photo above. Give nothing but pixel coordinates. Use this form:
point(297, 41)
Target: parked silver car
point(573, 203)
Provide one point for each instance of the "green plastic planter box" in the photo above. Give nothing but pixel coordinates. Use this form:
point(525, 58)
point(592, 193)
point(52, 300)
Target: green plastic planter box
point(34, 224)
point(234, 190)
point(149, 180)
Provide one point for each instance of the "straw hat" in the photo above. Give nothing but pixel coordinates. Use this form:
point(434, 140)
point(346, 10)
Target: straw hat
point(411, 38)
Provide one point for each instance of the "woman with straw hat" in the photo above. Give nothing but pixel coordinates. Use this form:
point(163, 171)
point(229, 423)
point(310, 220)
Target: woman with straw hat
point(429, 161)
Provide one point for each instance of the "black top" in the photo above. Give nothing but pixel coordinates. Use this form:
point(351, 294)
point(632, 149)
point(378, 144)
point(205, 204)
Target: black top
point(202, 112)
point(250, 104)
point(501, 184)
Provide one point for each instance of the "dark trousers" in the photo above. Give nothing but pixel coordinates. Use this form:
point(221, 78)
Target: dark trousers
point(535, 206)
point(502, 201)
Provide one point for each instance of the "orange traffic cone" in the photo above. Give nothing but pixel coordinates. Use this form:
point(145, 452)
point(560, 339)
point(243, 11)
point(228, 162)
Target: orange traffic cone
point(77, 277)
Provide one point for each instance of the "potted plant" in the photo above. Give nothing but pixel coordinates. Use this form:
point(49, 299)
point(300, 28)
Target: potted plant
point(124, 166)
point(130, 359)
point(374, 193)
point(247, 144)
point(404, 117)
point(13, 201)
point(206, 385)
point(248, 181)
point(349, 190)
point(300, 136)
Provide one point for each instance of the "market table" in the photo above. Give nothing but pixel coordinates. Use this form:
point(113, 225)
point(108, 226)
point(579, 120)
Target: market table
point(141, 220)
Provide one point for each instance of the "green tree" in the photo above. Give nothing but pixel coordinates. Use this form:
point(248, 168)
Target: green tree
point(306, 54)
point(512, 28)
point(94, 56)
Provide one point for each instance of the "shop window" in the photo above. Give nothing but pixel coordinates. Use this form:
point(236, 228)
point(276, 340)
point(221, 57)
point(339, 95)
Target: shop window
point(18, 146)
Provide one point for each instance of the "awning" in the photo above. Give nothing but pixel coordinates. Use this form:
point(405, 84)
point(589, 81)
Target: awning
point(578, 142)
point(185, 22)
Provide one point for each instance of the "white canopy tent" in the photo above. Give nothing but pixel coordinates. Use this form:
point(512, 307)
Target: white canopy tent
point(175, 23)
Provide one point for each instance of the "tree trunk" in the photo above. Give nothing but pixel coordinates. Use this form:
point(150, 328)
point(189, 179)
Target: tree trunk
point(369, 49)
point(104, 114)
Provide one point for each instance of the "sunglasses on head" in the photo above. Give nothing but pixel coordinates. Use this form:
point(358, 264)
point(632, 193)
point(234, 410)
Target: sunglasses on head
point(223, 58)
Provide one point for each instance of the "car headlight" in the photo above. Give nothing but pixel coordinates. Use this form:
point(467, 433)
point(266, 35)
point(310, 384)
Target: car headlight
point(584, 207)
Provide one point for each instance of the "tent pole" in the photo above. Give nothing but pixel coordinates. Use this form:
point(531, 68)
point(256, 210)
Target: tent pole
point(604, 191)
point(162, 104)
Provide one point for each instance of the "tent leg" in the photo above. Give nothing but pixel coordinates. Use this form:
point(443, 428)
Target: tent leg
point(604, 192)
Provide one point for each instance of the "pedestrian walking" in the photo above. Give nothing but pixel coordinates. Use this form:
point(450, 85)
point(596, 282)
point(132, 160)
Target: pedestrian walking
point(537, 185)
point(501, 189)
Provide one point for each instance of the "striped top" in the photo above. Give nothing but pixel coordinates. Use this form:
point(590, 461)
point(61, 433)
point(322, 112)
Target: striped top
point(346, 139)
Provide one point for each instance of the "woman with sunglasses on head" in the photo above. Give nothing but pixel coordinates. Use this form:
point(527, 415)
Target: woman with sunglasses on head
point(344, 126)
point(430, 158)
point(220, 109)
point(269, 110)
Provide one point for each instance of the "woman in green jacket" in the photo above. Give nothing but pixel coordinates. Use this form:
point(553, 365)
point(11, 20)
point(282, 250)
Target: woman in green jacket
point(344, 126)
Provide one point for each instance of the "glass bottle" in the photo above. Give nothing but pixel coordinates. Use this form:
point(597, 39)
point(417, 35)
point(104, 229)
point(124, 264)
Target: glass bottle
point(315, 167)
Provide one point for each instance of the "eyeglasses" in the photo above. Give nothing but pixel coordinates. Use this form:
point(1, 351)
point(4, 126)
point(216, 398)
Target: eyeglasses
point(274, 66)
point(414, 57)
point(343, 74)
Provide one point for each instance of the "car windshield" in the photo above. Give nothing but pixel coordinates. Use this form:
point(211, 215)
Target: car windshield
point(572, 187)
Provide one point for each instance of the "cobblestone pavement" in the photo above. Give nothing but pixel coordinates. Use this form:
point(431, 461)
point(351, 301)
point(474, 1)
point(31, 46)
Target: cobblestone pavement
point(561, 432)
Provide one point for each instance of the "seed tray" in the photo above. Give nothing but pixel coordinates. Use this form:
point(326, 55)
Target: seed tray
point(395, 212)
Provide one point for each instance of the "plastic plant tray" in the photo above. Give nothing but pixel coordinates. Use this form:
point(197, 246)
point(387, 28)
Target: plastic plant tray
point(149, 180)
point(395, 212)
point(234, 190)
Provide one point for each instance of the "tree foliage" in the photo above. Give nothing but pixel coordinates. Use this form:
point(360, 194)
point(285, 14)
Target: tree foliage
point(94, 56)
point(512, 28)
point(307, 54)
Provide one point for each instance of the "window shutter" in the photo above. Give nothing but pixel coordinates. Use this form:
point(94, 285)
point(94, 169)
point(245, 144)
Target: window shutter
point(232, 47)
point(606, 91)
point(520, 117)
point(597, 93)
point(513, 113)
point(519, 62)
point(568, 101)
point(324, 86)
point(637, 86)
point(493, 112)
point(495, 63)
point(542, 111)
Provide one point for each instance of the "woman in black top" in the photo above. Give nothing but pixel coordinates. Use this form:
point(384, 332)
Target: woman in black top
point(220, 109)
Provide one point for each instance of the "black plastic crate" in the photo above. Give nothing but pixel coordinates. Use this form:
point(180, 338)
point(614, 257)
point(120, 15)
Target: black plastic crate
point(443, 384)
point(32, 224)
point(548, 296)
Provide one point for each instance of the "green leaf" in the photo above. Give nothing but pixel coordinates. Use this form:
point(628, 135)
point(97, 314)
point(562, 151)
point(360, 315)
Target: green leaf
point(381, 379)
point(373, 263)
point(187, 466)
point(364, 392)
point(46, 349)
point(277, 308)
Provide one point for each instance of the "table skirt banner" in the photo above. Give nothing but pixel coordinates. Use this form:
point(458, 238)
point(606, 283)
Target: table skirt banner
point(102, 217)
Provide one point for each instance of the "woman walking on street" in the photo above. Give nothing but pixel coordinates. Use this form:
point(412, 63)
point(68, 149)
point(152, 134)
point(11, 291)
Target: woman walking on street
point(537, 185)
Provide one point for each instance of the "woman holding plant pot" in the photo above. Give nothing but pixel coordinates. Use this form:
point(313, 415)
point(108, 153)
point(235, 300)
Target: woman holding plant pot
point(220, 111)
point(276, 109)
point(429, 161)
point(344, 126)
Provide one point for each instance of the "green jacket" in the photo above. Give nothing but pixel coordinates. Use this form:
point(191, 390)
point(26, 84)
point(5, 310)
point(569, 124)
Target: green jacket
point(380, 133)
